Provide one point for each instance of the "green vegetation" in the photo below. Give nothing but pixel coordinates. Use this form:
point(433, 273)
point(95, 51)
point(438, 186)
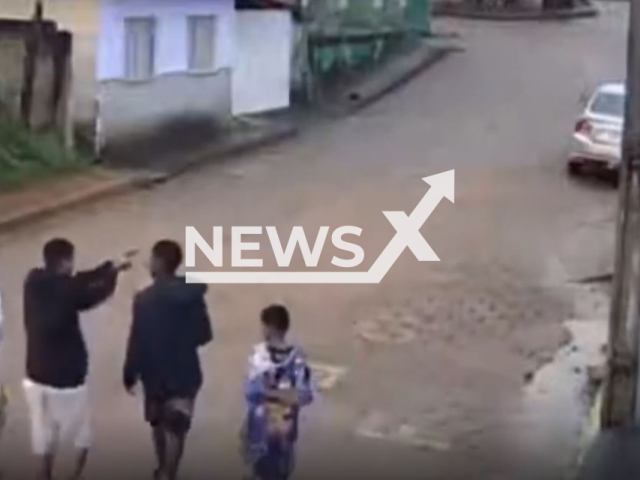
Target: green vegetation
point(27, 156)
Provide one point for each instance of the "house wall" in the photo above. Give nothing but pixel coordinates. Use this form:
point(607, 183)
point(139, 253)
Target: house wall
point(171, 40)
point(130, 109)
point(261, 77)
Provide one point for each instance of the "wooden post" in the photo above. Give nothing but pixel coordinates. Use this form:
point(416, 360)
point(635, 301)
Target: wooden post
point(66, 99)
point(30, 61)
point(62, 102)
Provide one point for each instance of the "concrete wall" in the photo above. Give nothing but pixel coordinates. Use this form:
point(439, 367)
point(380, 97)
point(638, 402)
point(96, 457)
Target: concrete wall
point(12, 53)
point(80, 17)
point(130, 110)
point(262, 74)
point(40, 97)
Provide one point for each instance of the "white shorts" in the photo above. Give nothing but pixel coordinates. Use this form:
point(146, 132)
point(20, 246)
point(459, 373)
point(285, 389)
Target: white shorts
point(57, 414)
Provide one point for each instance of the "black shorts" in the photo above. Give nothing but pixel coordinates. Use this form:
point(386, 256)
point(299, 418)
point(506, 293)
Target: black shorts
point(171, 413)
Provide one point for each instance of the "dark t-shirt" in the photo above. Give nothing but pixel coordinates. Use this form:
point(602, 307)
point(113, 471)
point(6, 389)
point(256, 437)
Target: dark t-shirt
point(170, 322)
point(56, 352)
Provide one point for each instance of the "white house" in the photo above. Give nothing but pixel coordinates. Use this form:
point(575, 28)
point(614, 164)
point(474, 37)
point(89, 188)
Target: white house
point(165, 61)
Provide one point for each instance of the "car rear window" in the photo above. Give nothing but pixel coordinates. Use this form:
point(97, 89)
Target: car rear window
point(608, 104)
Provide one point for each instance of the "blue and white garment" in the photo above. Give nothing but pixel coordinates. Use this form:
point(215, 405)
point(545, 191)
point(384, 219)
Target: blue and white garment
point(271, 428)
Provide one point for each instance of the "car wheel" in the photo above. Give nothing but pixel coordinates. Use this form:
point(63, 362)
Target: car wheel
point(573, 169)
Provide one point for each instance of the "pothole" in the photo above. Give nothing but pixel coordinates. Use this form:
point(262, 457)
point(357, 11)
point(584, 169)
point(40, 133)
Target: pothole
point(455, 312)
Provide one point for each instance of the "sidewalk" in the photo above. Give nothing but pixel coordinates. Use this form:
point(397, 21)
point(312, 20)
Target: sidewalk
point(49, 196)
point(356, 93)
point(614, 455)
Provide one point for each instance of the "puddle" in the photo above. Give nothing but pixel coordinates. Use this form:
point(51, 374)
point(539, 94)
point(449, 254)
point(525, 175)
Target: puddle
point(454, 312)
point(563, 381)
point(557, 402)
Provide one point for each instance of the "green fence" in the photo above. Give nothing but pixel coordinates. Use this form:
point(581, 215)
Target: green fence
point(345, 37)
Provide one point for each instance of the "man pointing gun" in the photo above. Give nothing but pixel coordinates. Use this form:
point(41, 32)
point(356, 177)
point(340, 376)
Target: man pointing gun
point(57, 361)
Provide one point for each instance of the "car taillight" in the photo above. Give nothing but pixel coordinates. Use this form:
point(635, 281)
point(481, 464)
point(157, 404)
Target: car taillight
point(584, 127)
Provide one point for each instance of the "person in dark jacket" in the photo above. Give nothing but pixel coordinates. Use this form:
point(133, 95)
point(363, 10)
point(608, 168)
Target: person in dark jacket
point(170, 323)
point(57, 360)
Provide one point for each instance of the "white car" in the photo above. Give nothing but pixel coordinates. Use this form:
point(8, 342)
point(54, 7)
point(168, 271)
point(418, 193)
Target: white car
point(596, 144)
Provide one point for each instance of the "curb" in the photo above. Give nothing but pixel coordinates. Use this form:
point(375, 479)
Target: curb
point(144, 179)
point(588, 434)
point(91, 195)
point(390, 78)
point(586, 11)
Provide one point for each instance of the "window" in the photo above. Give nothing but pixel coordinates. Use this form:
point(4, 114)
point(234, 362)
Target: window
point(611, 104)
point(202, 32)
point(139, 48)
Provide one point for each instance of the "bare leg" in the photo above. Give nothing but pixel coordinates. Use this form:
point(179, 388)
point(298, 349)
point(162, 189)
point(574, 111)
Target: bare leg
point(81, 461)
point(175, 449)
point(45, 466)
point(160, 446)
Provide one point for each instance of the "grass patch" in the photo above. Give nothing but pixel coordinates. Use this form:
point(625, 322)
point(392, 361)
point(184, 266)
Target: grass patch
point(26, 156)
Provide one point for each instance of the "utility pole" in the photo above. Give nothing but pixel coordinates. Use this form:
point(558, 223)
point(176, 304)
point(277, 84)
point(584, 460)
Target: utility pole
point(620, 395)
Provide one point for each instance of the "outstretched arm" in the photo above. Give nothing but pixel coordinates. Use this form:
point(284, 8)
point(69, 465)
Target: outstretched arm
point(90, 288)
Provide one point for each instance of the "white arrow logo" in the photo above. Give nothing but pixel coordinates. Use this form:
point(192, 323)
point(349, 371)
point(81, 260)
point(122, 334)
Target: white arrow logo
point(407, 236)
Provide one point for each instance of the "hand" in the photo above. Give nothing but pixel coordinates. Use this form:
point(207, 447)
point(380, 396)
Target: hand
point(288, 397)
point(131, 254)
point(123, 265)
point(130, 388)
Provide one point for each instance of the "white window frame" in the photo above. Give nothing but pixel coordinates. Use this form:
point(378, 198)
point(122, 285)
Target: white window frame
point(131, 72)
point(192, 46)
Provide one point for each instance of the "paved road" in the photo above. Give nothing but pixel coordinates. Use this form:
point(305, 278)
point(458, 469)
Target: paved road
point(434, 356)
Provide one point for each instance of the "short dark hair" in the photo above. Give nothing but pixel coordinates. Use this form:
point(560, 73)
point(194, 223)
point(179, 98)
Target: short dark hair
point(276, 316)
point(169, 253)
point(56, 251)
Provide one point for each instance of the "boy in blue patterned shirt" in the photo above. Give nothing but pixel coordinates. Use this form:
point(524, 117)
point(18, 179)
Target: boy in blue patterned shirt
point(278, 386)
